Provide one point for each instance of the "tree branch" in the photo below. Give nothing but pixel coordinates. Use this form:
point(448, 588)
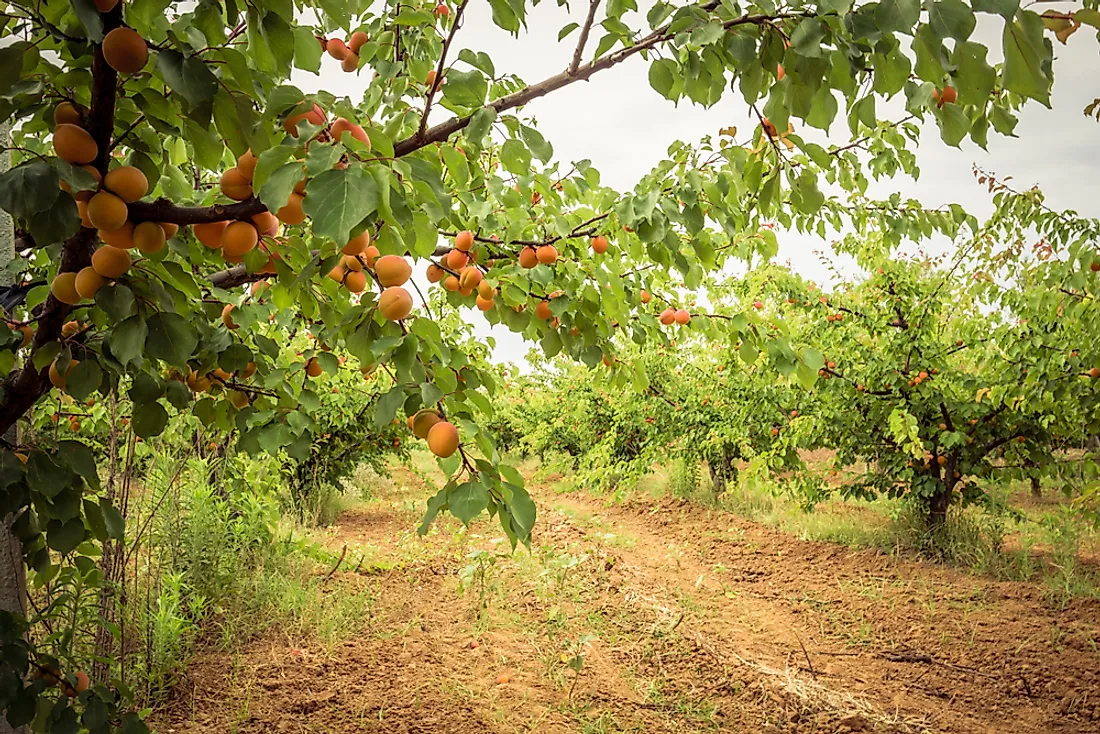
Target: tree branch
point(438, 81)
point(163, 210)
point(593, 5)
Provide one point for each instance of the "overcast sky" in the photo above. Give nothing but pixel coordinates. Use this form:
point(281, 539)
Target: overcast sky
point(618, 122)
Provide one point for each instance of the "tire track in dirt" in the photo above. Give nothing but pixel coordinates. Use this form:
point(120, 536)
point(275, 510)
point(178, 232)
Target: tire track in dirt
point(818, 621)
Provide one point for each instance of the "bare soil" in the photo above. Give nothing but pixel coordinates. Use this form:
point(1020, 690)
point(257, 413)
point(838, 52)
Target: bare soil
point(688, 620)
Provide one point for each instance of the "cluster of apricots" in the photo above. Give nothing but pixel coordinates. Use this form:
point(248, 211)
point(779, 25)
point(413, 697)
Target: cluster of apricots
point(460, 273)
point(346, 52)
point(200, 382)
point(360, 260)
point(441, 435)
point(671, 316)
point(947, 95)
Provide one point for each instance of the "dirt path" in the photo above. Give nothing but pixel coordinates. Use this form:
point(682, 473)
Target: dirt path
point(688, 620)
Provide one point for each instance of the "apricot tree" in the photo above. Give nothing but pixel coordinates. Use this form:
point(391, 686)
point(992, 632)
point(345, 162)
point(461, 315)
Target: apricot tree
point(165, 164)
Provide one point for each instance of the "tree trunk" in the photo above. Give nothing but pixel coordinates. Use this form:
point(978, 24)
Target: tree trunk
point(941, 499)
point(1036, 491)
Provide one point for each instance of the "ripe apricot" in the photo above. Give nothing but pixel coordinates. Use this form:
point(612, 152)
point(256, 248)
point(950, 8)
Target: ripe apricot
point(469, 278)
point(170, 229)
point(66, 113)
point(125, 50)
point(350, 62)
point(646, 297)
point(210, 234)
point(227, 316)
point(435, 273)
point(527, 258)
point(88, 282)
point(127, 182)
point(421, 423)
point(336, 48)
point(315, 116)
point(234, 185)
point(392, 270)
point(238, 399)
point(682, 316)
point(107, 211)
point(442, 11)
point(356, 245)
point(73, 144)
point(395, 303)
point(667, 316)
point(452, 283)
point(337, 273)
point(239, 238)
point(485, 290)
point(484, 304)
point(56, 378)
point(1094, 372)
point(443, 439)
point(63, 288)
point(547, 254)
point(464, 240)
point(543, 311)
point(266, 223)
point(351, 262)
point(356, 41)
point(599, 244)
point(292, 212)
point(356, 281)
point(342, 126)
point(313, 367)
point(246, 165)
point(122, 238)
point(780, 72)
point(110, 262)
point(456, 259)
point(430, 79)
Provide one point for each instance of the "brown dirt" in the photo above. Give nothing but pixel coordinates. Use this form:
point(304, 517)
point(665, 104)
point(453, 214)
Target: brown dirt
point(689, 620)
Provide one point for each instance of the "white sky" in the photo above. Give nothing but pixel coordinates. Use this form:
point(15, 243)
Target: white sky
point(624, 127)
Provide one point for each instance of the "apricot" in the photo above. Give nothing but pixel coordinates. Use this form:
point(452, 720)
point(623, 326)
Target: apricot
point(73, 144)
point(82, 210)
point(210, 234)
point(170, 229)
point(547, 254)
point(527, 258)
point(451, 283)
point(682, 316)
point(392, 270)
point(443, 439)
point(110, 262)
point(435, 273)
point(456, 259)
point(395, 303)
point(469, 279)
point(127, 182)
point(292, 212)
point(337, 49)
point(107, 211)
point(356, 281)
point(342, 126)
point(350, 62)
point(464, 240)
point(543, 311)
point(430, 79)
point(485, 290)
point(227, 316)
point(238, 399)
point(125, 50)
point(421, 423)
point(351, 262)
point(337, 273)
point(266, 223)
point(356, 41)
point(646, 297)
point(483, 304)
point(234, 185)
point(315, 116)
point(122, 238)
point(246, 165)
point(599, 244)
point(356, 245)
point(88, 282)
point(667, 316)
point(66, 113)
point(313, 367)
point(56, 378)
point(442, 11)
point(63, 288)
point(239, 238)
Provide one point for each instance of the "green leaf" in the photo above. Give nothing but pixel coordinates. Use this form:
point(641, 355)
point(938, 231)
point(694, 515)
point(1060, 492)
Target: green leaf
point(1027, 58)
point(387, 406)
point(89, 17)
point(897, 15)
point(127, 340)
point(80, 459)
point(171, 338)
point(467, 501)
point(65, 537)
point(537, 143)
point(465, 89)
point(112, 518)
point(951, 19)
point(663, 76)
point(116, 300)
point(430, 394)
point(150, 419)
point(567, 29)
point(337, 201)
point(1005, 8)
point(515, 157)
point(28, 188)
point(277, 186)
point(954, 124)
point(187, 76)
point(480, 124)
point(84, 379)
point(435, 503)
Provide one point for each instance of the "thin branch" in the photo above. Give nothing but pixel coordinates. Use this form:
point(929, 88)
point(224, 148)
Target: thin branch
point(593, 5)
point(438, 81)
